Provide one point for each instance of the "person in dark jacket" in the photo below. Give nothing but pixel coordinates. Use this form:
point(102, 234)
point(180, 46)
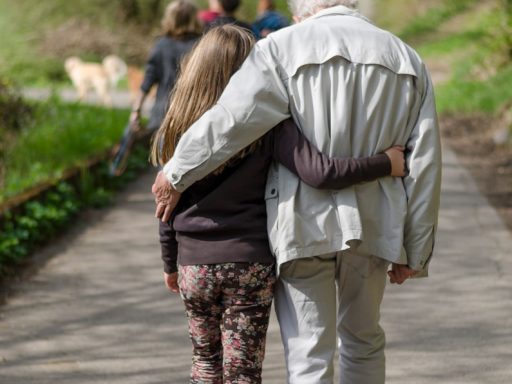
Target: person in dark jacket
point(181, 29)
point(217, 238)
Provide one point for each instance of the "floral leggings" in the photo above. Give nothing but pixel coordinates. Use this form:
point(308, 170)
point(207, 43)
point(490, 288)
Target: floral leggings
point(228, 308)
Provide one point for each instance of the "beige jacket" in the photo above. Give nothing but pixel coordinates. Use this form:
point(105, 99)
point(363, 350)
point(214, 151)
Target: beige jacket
point(354, 90)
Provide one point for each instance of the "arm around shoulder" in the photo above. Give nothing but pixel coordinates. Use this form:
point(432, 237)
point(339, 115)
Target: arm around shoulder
point(295, 152)
point(254, 101)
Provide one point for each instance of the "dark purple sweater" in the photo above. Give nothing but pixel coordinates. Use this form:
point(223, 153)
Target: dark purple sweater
point(222, 218)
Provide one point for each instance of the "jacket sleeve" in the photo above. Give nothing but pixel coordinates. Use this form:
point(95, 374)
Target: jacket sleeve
point(169, 247)
point(295, 152)
point(423, 183)
point(152, 72)
point(254, 101)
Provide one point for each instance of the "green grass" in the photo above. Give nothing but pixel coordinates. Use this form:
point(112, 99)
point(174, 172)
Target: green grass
point(62, 136)
point(467, 48)
point(457, 42)
point(431, 20)
point(37, 221)
point(469, 35)
point(26, 22)
point(19, 59)
point(481, 46)
point(465, 95)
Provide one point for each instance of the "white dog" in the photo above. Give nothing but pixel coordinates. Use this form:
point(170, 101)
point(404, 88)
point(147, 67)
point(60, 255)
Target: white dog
point(100, 77)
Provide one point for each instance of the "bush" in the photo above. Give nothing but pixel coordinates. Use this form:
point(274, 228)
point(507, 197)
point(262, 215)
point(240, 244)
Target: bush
point(14, 114)
point(62, 136)
point(38, 221)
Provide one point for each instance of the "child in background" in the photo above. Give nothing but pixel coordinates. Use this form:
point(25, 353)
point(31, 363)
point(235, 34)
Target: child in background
point(209, 15)
point(268, 19)
point(217, 238)
point(227, 15)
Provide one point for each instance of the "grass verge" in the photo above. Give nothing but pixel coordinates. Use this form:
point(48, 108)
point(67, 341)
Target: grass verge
point(465, 36)
point(39, 220)
point(60, 137)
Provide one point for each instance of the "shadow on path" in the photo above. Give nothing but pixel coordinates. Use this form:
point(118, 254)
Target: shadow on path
point(97, 311)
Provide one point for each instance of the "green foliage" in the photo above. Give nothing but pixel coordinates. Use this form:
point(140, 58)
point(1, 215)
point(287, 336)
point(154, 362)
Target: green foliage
point(61, 136)
point(481, 77)
point(507, 27)
point(433, 18)
point(14, 112)
point(460, 41)
point(461, 95)
point(20, 57)
point(499, 41)
point(470, 48)
point(38, 221)
point(58, 137)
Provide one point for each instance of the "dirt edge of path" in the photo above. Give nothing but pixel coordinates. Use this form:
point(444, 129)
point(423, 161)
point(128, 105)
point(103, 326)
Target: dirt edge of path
point(473, 138)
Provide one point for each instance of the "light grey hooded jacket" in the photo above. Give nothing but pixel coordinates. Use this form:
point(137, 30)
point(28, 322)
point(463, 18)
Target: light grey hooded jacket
point(354, 90)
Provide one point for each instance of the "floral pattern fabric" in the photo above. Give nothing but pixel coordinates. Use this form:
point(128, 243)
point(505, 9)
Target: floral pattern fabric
point(228, 308)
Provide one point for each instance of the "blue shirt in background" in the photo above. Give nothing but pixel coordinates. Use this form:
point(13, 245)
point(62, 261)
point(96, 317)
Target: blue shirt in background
point(267, 22)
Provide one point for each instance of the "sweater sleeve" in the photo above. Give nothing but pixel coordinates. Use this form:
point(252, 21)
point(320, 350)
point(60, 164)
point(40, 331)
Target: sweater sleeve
point(295, 152)
point(169, 247)
point(152, 72)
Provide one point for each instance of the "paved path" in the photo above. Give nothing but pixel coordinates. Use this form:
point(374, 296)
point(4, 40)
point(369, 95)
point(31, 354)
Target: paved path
point(97, 312)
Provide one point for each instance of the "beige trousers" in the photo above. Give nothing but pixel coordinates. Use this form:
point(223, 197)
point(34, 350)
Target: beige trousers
point(331, 300)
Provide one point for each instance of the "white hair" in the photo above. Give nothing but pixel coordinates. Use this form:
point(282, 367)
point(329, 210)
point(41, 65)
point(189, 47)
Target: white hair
point(305, 8)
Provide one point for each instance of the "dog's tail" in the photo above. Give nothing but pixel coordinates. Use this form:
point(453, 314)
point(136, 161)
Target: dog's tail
point(115, 68)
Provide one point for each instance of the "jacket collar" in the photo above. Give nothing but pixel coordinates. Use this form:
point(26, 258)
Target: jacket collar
point(338, 10)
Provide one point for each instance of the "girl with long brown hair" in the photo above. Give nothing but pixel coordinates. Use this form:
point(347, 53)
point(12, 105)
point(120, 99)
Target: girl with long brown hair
point(215, 248)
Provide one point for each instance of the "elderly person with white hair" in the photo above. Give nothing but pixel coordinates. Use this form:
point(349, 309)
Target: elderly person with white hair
point(354, 90)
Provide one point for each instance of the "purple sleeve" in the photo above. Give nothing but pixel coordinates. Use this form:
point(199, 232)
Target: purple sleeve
point(169, 247)
point(296, 153)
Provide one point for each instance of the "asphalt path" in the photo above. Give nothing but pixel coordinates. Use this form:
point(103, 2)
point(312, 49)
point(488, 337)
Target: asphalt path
point(96, 310)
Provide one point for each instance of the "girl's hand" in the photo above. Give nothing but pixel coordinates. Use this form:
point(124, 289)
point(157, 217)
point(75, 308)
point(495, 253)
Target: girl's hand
point(396, 156)
point(171, 282)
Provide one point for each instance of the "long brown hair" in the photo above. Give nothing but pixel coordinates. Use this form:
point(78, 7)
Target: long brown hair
point(205, 73)
point(180, 19)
